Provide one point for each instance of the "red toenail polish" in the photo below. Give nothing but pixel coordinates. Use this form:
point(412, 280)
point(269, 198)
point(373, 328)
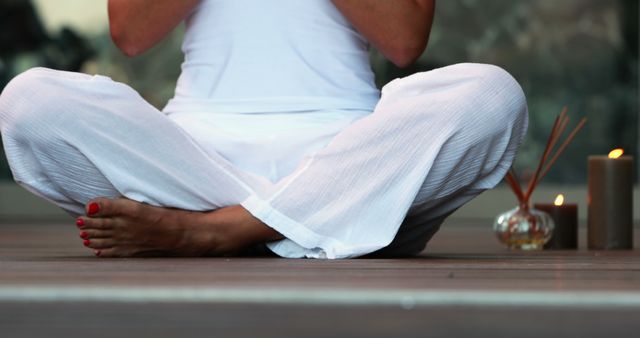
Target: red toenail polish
point(93, 208)
point(79, 222)
point(86, 242)
point(84, 235)
point(97, 252)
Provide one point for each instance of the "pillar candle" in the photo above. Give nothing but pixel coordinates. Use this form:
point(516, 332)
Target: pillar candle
point(565, 218)
point(610, 202)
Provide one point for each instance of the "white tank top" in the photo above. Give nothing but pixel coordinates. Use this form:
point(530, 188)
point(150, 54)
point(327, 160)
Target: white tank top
point(275, 56)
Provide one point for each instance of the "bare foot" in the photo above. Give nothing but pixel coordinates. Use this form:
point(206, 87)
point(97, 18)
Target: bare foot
point(125, 228)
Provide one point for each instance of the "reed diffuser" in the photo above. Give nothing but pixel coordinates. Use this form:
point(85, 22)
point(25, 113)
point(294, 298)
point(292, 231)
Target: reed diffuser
point(524, 227)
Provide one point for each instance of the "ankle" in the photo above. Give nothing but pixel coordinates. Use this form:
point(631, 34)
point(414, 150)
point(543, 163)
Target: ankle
point(237, 230)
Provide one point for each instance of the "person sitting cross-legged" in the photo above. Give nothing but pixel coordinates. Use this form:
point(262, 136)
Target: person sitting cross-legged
point(276, 134)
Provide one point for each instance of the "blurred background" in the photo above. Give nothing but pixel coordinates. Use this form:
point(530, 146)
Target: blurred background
point(578, 53)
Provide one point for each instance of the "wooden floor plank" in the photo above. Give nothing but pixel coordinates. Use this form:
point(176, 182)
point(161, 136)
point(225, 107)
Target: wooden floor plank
point(230, 320)
point(463, 256)
point(53, 254)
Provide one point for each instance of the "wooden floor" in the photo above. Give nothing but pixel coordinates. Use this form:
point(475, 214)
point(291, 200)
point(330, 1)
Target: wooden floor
point(465, 284)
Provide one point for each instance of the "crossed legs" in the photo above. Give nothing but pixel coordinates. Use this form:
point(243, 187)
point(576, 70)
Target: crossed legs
point(435, 140)
point(71, 137)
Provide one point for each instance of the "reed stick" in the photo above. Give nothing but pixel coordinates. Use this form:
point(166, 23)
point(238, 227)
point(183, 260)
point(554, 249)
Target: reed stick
point(559, 126)
point(515, 186)
point(543, 159)
point(556, 133)
point(563, 146)
point(564, 121)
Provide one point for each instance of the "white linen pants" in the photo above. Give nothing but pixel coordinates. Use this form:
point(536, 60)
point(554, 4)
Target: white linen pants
point(386, 181)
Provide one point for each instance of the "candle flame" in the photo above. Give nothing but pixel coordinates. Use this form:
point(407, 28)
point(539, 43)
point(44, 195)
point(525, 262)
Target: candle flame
point(559, 200)
point(615, 153)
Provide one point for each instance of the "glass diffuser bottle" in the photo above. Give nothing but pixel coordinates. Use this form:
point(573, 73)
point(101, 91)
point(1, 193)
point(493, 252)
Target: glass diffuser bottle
point(524, 227)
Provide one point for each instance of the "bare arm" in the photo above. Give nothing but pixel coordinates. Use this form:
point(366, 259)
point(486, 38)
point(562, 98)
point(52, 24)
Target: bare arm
point(399, 29)
point(137, 25)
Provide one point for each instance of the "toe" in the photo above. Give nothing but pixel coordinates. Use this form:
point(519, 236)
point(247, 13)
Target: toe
point(89, 223)
point(99, 243)
point(95, 233)
point(98, 207)
point(103, 206)
point(126, 207)
point(110, 253)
